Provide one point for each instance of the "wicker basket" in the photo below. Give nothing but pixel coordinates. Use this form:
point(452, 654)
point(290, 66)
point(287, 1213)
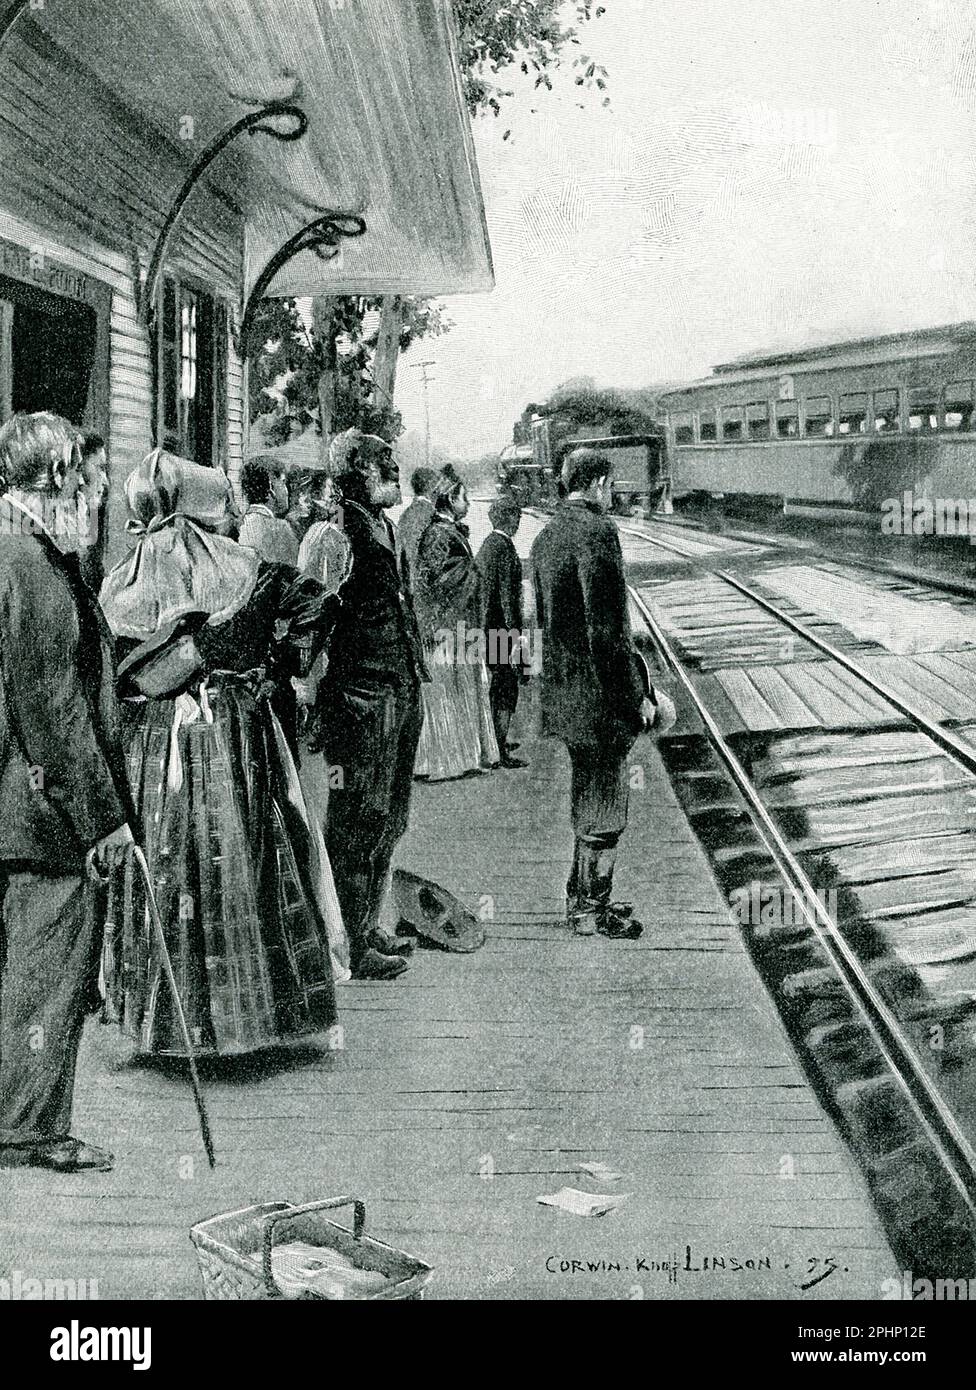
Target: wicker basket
point(224, 1243)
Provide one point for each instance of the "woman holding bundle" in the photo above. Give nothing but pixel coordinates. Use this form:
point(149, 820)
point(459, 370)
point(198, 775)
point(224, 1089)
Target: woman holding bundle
point(204, 629)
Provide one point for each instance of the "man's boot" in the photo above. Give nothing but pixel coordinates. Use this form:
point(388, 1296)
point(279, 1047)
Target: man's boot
point(375, 953)
point(574, 918)
point(376, 965)
point(589, 908)
point(588, 889)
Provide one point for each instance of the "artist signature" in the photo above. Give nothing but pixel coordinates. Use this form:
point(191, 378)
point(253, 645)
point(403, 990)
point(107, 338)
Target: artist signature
point(805, 1273)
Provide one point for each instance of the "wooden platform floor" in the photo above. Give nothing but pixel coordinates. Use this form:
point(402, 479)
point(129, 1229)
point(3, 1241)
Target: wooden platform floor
point(474, 1084)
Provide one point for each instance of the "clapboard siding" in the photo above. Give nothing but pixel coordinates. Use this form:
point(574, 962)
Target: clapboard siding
point(66, 146)
point(89, 183)
point(236, 412)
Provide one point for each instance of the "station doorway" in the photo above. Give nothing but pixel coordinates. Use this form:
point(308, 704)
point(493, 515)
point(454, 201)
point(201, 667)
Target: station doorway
point(49, 350)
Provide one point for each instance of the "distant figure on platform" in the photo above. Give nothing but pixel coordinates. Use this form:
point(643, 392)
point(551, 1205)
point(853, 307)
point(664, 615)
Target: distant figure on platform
point(326, 552)
point(415, 520)
point(264, 482)
point(64, 797)
point(596, 696)
point(458, 734)
point(239, 868)
point(300, 515)
point(92, 517)
point(501, 599)
point(366, 718)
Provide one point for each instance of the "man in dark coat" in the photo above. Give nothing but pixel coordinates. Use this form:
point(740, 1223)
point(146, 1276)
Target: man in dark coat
point(64, 797)
point(415, 520)
point(367, 716)
point(91, 549)
point(595, 693)
point(501, 588)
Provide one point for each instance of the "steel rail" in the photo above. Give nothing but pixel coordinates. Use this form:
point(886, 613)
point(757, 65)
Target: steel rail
point(959, 751)
point(947, 741)
point(937, 1121)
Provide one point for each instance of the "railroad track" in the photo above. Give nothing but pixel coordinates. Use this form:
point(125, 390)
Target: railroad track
point(858, 785)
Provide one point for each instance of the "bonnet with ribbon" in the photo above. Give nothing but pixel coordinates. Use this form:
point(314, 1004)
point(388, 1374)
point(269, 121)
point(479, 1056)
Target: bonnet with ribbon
point(179, 565)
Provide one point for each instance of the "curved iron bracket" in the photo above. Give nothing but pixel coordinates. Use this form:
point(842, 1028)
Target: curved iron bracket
point(323, 236)
point(256, 123)
point(10, 17)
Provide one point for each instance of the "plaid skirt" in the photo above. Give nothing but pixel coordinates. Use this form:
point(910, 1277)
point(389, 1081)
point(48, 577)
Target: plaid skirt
point(244, 889)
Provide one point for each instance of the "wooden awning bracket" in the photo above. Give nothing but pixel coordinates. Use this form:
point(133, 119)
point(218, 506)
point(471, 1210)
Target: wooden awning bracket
point(255, 123)
point(323, 236)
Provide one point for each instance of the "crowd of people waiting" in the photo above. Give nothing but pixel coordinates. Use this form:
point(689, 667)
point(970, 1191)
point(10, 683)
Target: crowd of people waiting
point(252, 697)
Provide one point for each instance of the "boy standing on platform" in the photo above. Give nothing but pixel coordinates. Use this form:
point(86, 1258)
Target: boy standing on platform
point(596, 695)
point(501, 581)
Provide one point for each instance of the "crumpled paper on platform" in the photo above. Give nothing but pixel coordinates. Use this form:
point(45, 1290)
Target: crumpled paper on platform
point(584, 1203)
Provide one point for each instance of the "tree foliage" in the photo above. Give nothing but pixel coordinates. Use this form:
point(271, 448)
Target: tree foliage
point(287, 369)
point(582, 405)
point(534, 35)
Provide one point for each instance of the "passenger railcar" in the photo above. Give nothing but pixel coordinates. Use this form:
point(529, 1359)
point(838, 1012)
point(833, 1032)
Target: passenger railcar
point(847, 426)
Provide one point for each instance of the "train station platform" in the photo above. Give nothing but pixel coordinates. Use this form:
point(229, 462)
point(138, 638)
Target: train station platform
point(473, 1085)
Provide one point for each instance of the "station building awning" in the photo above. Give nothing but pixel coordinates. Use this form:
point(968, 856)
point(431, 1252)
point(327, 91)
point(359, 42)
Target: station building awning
point(388, 136)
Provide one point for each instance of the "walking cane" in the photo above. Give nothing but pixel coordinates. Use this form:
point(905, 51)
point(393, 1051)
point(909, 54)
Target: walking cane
point(167, 963)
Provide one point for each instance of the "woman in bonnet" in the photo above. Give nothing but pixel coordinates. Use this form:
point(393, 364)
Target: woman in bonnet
point(244, 885)
point(458, 735)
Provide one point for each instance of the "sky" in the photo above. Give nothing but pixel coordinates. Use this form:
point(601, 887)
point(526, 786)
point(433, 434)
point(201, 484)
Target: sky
point(769, 172)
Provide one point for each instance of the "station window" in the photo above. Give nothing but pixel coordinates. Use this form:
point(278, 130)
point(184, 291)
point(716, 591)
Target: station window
point(787, 419)
point(820, 417)
point(887, 416)
point(684, 429)
point(191, 367)
point(923, 408)
point(708, 427)
point(757, 419)
point(733, 424)
point(854, 413)
point(959, 406)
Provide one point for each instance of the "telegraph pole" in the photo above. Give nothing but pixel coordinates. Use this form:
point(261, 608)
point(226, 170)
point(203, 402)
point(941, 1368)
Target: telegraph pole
point(426, 379)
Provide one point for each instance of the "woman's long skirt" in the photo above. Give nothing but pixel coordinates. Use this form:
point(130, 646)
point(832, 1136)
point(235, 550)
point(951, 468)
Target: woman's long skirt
point(458, 735)
point(244, 887)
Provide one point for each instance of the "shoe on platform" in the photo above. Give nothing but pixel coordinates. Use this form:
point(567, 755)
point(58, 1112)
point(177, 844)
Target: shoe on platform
point(389, 945)
point(374, 965)
point(617, 923)
point(61, 1155)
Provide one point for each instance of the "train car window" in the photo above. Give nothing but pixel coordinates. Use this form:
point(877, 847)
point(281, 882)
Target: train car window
point(820, 417)
point(959, 406)
point(887, 419)
point(757, 419)
point(684, 429)
point(854, 413)
point(733, 424)
point(708, 427)
point(787, 419)
point(923, 408)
